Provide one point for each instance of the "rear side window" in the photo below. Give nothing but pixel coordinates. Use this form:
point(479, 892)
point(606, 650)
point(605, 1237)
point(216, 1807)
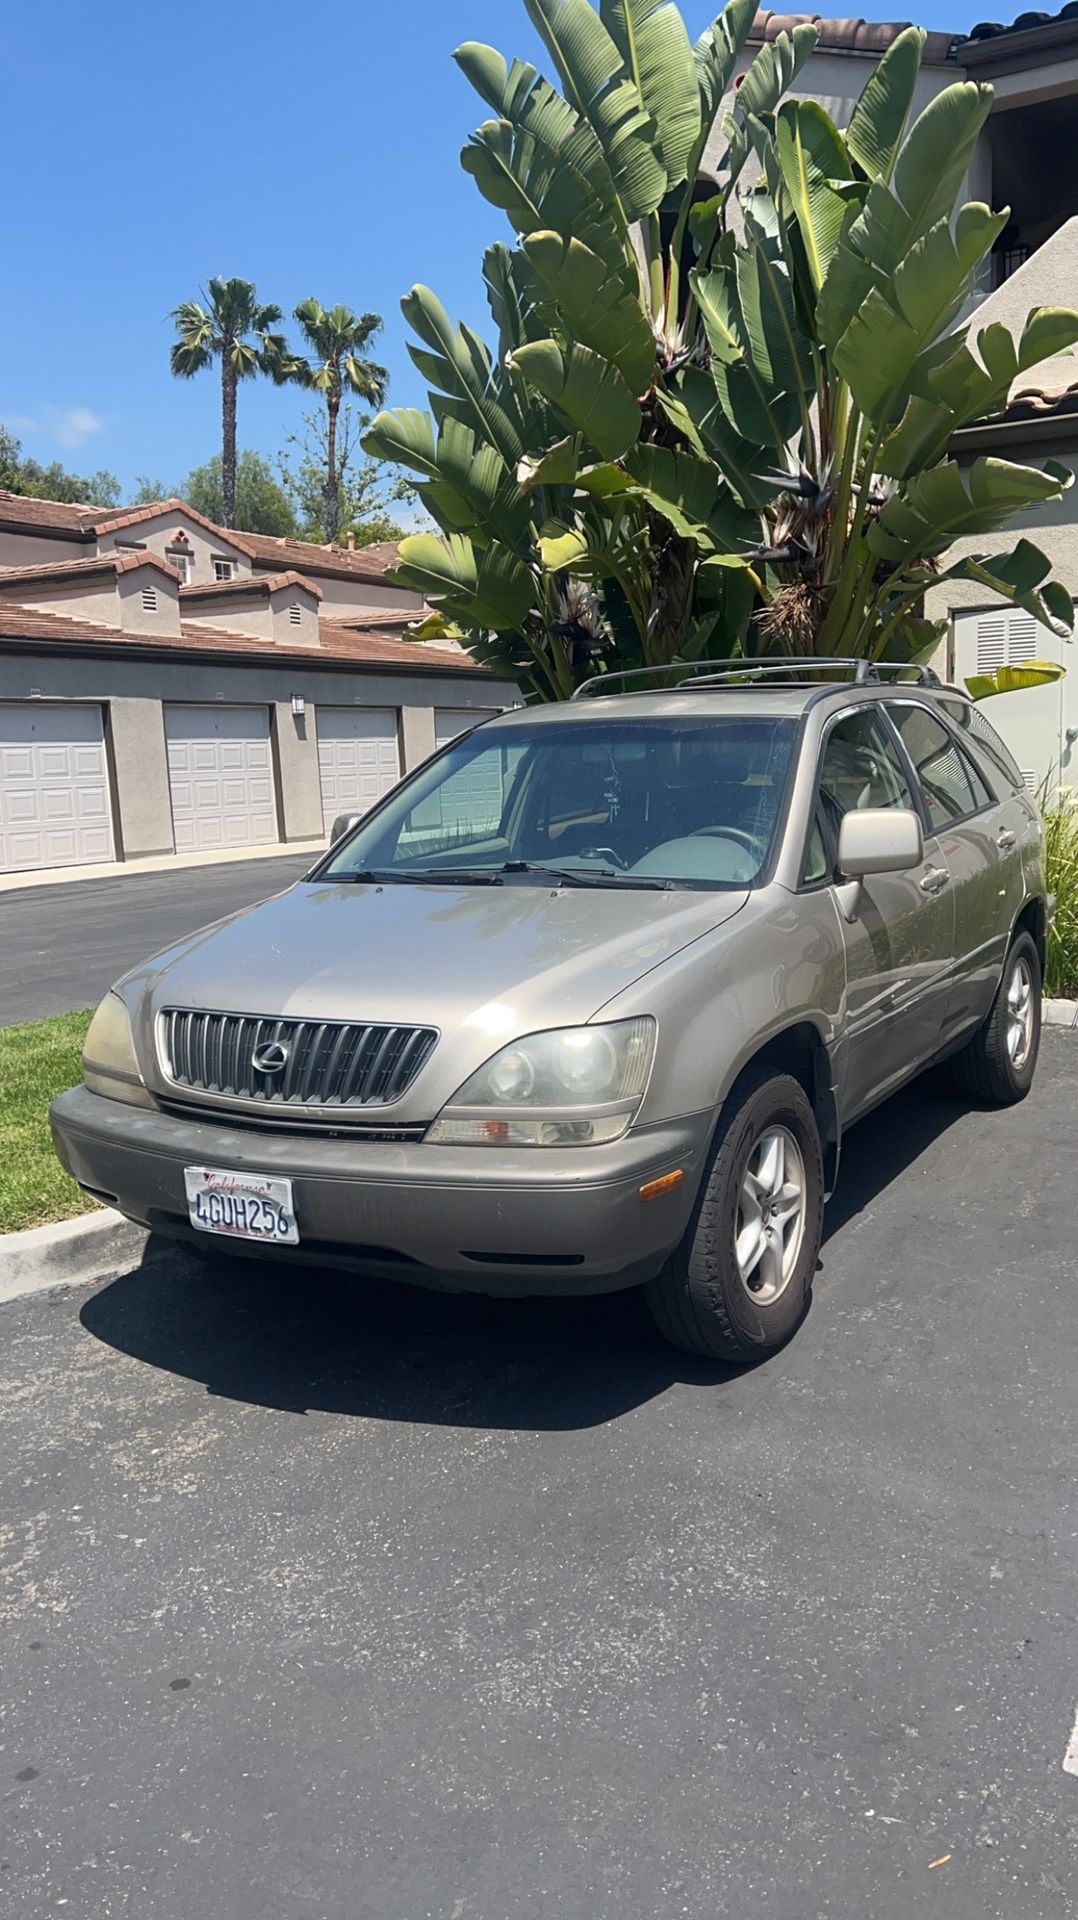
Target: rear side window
point(972, 721)
point(951, 785)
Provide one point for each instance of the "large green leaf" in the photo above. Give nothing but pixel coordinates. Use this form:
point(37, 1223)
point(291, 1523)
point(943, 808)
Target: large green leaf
point(880, 348)
point(964, 388)
point(595, 307)
point(759, 412)
point(1034, 673)
point(587, 390)
point(595, 79)
point(1022, 578)
point(540, 161)
point(879, 119)
point(716, 53)
point(491, 588)
point(513, 298)
point(696, 410)
point(557, 467)
point(936, 508)
point(688, 492)
point(656, 51)
point(812, 159)
point(779, 349)
point(771, 74)
point(404, 436)
point(459, 365)
point(930, 168)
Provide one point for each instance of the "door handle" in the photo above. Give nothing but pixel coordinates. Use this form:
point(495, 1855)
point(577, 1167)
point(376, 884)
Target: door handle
point(935, 880)
point(1005, 839)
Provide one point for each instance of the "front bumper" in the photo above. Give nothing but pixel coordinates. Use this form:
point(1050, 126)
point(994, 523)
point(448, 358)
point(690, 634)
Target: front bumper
point(540, 1220)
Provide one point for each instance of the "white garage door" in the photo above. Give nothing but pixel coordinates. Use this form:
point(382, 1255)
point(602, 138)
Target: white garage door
point(220, 775)
point(358, 758)
point(54, 789)
point(449, 721)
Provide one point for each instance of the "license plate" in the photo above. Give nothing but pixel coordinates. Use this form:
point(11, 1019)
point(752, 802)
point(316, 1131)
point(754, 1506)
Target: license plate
point(241, 1206)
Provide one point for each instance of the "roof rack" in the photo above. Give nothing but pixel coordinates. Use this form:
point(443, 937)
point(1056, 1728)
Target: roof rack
point(764, 666)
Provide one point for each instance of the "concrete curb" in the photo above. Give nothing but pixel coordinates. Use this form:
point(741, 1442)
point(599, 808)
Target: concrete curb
point(1061, 1013)
point(68, 1254)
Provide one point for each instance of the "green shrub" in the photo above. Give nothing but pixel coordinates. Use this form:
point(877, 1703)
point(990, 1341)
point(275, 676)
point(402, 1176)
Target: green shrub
point(1061, 855)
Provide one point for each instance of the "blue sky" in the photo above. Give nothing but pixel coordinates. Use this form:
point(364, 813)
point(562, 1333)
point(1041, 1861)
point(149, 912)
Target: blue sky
point(150, 148)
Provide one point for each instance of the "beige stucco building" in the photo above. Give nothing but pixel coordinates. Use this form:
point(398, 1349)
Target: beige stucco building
point(167, 687)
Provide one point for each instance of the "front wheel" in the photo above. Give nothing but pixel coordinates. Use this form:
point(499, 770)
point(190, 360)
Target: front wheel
point(737, 1286)
point(998, 1064)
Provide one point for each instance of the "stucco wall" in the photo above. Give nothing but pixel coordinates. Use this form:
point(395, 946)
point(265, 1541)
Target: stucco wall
point(94, 598)
point(156, 536)
point(33, 550)
point(353, 596)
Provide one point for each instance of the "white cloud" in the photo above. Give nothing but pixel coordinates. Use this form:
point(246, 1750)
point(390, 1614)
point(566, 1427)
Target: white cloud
point(70, 426)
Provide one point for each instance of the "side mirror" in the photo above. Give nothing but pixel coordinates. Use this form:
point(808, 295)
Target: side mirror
point(879, 840)
point(343, 824)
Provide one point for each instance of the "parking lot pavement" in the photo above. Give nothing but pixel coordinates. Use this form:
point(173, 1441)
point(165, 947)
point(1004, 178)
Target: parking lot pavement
point(325, 1601)
point(63, 946)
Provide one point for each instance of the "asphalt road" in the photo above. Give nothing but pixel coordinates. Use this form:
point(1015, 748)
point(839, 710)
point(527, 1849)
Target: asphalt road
point(61, 947)
point(325, 1601)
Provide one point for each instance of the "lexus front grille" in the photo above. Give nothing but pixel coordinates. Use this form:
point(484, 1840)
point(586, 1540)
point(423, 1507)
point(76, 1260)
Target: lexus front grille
point(303, 1063)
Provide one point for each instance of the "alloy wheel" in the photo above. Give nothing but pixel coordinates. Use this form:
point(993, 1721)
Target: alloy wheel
point(770, 1215)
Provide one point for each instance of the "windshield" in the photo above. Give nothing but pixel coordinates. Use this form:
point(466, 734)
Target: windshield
point(688, 802)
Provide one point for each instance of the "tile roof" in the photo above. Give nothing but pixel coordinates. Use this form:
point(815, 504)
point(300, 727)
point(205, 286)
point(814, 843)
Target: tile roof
point(52, 516)
point(248, 583)
point(871, 37)
point(347, 648)
point(362, 563)
point(1025, 23)
point(1041, 403)
point(115, 563)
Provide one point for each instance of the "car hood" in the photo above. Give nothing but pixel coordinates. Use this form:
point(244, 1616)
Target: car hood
point(503, 960)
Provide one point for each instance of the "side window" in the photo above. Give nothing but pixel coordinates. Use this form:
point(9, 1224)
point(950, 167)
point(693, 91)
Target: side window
point(816, 865)
point(860, 768)
point(951, 785)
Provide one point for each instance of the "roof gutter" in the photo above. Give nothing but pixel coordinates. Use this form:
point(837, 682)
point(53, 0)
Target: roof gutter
point(220, 656)
point(1016, 50)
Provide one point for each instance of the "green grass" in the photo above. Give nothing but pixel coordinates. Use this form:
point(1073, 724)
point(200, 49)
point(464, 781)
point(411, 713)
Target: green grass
point(36, 1063)
point(1061, 860)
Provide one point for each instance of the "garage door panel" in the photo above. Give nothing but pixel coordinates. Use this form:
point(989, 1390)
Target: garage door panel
point(220, 777)
point(358, 758)
point(54, 794)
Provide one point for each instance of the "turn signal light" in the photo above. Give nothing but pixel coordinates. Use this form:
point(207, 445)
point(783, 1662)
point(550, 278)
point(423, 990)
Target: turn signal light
point(656, 1188)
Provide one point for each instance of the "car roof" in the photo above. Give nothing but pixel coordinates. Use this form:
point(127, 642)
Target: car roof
point(759, 699)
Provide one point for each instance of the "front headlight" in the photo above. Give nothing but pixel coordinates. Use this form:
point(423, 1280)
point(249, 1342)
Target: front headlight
point(576, 1086)
point(109, 1065)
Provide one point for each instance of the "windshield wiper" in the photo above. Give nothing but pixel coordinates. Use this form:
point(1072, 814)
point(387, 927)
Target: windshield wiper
point(585, 876)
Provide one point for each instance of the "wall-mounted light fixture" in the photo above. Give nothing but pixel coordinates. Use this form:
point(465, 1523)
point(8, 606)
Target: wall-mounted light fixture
point(299, 705)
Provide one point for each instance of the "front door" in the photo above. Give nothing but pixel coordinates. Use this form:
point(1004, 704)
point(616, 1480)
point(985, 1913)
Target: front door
point(900, 939)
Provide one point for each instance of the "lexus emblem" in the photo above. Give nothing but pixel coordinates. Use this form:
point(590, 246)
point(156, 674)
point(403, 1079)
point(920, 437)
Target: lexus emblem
point(270, 1058)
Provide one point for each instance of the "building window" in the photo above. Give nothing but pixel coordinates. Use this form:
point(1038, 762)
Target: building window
point(223, 570)
point(149, 599)
point(295, 615)
point(177, 557)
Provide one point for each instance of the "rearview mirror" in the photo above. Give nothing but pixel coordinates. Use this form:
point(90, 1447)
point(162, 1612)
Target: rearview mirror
point(879, 840)
point(343, 824)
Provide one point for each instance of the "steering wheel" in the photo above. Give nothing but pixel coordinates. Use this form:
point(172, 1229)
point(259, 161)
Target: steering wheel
point(751, 842)
point(601, 853)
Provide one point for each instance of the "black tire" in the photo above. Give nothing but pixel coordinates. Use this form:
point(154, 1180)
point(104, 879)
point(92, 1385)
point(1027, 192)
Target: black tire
point(986, 1068)
point(700, 1302)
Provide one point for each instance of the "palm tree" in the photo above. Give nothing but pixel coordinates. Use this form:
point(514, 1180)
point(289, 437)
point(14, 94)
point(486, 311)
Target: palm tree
point(233, 327)
point(336, 339)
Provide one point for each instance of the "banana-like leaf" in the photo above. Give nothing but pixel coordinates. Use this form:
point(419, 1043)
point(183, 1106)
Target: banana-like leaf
point(879, 119)
point(540, 161)
point(688, 492)
point(931, 165)
point(716, 54)
point(406, 437)
point(771, 74)
point(778, 348)
point(1035, 673)
point(491, 588)
point(595, 80)
point(1022, 578)
point(938, 507)
point(964, 388)
point(760, 413)
point(561, 546)
point(696, 410)
point(656, 51)
point(459, 365)
point(595, 307)
point(893, 328)
point(811, 160)
point(587, 390)
point(513, 298)
point(555, 468)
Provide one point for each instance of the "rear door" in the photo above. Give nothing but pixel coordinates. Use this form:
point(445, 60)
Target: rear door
point(980, 848)
point(900, 940)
